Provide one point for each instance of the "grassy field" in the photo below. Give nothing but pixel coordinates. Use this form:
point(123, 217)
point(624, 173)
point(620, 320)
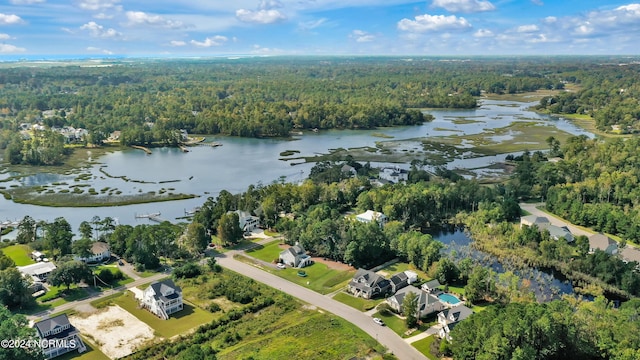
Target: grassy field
point(357, 302)
point(114, 269)
point(190, 317)
point(92, 353)
point(320, 277)
point(267, 252)
point(424, 346)
point(19, 254)
point(397, 324)
point(400, 267)
point(58, 295)
point(308, 335)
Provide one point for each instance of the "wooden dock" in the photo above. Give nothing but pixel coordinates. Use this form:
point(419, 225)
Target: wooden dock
point(146, 150)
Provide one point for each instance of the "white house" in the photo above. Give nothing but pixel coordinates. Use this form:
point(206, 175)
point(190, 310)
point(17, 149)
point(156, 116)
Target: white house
point(247, 221)
point(99, 252)
point(38, 271)
point(449, 318)
point(60, 335)
point(394, 174)
point(162, 298)
point(295, 256)
point(431, 286)
point(370, 216)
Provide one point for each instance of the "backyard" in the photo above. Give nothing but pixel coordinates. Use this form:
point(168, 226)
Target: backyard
point(19, 254)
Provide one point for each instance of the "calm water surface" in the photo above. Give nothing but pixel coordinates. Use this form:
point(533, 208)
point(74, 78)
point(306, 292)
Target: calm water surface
point(240, 162)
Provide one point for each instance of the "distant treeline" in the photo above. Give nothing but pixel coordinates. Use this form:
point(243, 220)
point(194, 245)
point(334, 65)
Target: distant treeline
point(258, 97)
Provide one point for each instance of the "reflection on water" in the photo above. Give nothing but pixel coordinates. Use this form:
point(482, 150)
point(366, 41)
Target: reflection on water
point(546, 286)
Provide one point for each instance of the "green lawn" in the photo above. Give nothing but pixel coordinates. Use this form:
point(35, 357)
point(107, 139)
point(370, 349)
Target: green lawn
point(320, 277)
point(400, 266)
point(58, 295)
point(190, 317)
point(424, 346)
point(271, 233)
point(458, 290)
point(92, 353)
point(397, 324)
point(19, 254)
point(267, 252)
point(357, 302)
point(114, 269)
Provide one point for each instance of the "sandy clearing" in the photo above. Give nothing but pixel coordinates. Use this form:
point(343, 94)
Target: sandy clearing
point(115, 331)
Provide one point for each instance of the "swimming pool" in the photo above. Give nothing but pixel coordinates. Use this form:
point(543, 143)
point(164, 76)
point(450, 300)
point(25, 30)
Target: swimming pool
point(448, 298)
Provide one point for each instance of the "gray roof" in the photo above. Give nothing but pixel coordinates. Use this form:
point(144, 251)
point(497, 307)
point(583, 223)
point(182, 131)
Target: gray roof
point(560, 232)
point(459, 312)
point(162, 287)
point(368, 279)
point(37, 268)
point(294, 250)
point(399, 278)
point(533, 219)
point(630, 254)
point(423, 297)
point(432, 284)
point(50, 324)
point(600, 241)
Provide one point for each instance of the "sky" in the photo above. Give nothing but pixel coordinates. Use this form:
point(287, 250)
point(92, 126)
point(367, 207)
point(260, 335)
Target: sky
point(178, 28)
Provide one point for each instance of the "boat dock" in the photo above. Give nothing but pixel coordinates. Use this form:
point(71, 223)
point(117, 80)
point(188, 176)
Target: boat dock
point(152, 216)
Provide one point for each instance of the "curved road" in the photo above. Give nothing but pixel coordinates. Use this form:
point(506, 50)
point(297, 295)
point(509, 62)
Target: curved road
point(382, 334)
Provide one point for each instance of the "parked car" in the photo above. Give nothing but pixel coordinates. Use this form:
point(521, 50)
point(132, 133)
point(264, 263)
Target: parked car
point(120, 263)
point(378, 321)
point(281, 266)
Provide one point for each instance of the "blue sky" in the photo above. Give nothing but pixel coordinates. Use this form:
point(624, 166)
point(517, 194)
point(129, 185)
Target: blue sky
point(317, 27)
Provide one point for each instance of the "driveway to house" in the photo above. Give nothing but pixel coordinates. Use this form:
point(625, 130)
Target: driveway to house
point(531, 208)
point(382, 334)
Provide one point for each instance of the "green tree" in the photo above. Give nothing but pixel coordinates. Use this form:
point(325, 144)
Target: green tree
point(14, 289)
point(446, 271)
point(70, 272)
point(410, 309)
point(26, 230)
point(58, 237)
point(85, 229)
point(229, 230)
point(17, 327)
point(195, 239)
point(82, 247)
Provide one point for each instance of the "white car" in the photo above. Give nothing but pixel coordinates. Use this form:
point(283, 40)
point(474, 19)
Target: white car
point(378, 321)
point(281, 266)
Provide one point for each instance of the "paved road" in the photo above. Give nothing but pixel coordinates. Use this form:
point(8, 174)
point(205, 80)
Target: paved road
point(382, 334)
point(96, 296)
point(531, 208)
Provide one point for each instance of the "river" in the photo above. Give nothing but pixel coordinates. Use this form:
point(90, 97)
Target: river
point(240, 162)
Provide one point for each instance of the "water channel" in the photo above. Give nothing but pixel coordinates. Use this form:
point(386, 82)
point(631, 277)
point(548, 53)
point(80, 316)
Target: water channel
point(240, 162)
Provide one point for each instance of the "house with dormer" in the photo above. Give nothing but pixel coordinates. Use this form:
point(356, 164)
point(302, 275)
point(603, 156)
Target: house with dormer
point(295, 256)
point(367, 284)
point(427, 304)
point(162, 298)
point(60, 336)
point(449, 318)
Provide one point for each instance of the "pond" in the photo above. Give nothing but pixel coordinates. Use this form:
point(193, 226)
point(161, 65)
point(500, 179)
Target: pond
point(240, 162)
point(545, 285)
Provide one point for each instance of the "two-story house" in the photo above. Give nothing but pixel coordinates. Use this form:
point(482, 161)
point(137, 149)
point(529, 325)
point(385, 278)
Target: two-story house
point(368, 284)
point(60, 336)
point(162, 298)
point(295, 256)
point(449, 318)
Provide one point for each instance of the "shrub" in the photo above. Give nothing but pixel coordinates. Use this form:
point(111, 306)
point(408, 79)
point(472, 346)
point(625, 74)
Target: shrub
point(187, 271)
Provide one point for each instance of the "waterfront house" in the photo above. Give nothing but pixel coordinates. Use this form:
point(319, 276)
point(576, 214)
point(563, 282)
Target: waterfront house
point(367, 284)
point(393, 174)
point(602, 242)
point(60, 335)
point(295, 256)
point(162, 298)
point(247, 221)
point(99, 252)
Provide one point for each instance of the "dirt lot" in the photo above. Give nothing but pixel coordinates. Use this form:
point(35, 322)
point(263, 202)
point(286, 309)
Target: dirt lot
point(116, 332)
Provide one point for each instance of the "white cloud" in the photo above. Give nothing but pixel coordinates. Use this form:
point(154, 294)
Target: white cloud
point(550, 19)
point(103, 16)
point(527, 28)
point(261, 16)
point(483, 33)
point(217, 40)
point(310, 25)
point(142, 18)
point(12, 19)
point(8, 48)
point(426, 22)
point(465, 6)
point(177, 43)
point(362, 36)
point(5, 37)
point(98, 5)
point(537, 2)
point(97, 30)
point(26, 2)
